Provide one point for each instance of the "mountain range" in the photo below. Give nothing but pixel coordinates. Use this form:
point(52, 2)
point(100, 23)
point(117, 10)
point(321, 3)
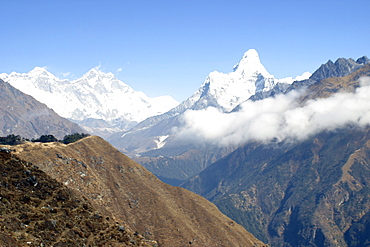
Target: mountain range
point(21, 114)
point(285, 158)
point(98, 101)
point(219, 90)
point(157, 144)
point(312, 192)
point(113, 193)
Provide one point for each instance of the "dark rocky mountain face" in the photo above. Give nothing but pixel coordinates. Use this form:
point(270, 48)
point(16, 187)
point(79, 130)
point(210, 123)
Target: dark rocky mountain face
point(311, 193)
point(127, 192)
point(363, 60)
point(36, 210)
point(340, 68)
point(20, 114)
point(329, 86)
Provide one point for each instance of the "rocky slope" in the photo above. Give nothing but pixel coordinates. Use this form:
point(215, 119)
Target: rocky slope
point(122, 188)
point(305, 193)
point(36, 210)
point(21, 114)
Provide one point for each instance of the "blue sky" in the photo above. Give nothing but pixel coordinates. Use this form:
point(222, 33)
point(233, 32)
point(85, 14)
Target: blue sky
point(170, 46)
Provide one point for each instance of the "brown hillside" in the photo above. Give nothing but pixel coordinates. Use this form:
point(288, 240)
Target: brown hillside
point(36, 210)
point(171, 215)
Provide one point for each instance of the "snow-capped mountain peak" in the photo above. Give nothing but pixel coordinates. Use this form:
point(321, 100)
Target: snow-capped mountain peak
point(38, 79)
point(102, 82)
point(251, 55)
point(39, 70)
point(228, 90)
point(98, 74)
point(250, 63)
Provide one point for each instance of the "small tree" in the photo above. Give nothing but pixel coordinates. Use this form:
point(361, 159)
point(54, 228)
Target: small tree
point(11, 140)
point(47, 138)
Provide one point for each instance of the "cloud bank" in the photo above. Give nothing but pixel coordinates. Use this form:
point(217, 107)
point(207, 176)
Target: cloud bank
point(279, 118)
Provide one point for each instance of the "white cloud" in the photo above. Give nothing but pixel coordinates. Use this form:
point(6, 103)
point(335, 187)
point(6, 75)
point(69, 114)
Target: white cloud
point(66, 74)
point(279, 118)
point(98, 67)
point(119, 69)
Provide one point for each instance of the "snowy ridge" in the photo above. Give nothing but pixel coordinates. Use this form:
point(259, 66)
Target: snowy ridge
point(95, 95)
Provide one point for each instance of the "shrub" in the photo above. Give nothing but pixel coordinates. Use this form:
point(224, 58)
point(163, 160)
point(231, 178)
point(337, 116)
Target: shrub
point(46, 138)
point(11, 140)
point(74, 137)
